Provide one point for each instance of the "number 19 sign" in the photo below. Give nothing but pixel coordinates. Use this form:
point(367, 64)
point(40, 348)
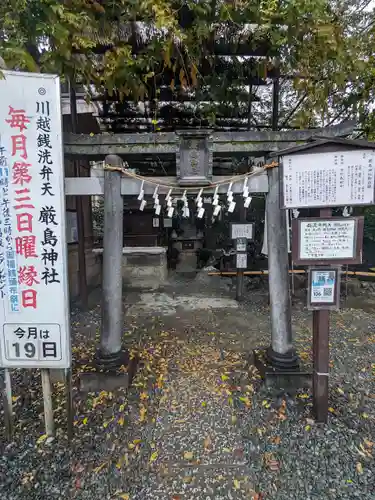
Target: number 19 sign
point(34, 309)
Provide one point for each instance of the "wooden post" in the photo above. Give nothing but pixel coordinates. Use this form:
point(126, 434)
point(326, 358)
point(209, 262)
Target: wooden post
point(111, 334)
point(82, 278)
point(321, 355)
point(47, 401)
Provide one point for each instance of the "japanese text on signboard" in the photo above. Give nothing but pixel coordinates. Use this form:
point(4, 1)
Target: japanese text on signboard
point(328, 179)
point(32, 289)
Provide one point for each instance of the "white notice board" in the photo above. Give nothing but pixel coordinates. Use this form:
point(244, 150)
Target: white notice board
point(34, 304)
point(328, 179)
point(327, 240)
point(244, 230)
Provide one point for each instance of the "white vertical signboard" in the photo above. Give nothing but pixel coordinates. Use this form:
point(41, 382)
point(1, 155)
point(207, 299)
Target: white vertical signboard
point(34, 304)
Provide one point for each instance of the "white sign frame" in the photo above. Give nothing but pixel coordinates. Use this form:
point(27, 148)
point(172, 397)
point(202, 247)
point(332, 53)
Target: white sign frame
point(242, 230)
point(44, 339)
point(330, 291)
point(241, 260)
point(296, 169)
point(351, 254)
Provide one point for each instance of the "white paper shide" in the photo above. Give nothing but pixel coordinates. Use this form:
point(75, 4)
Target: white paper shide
point(34, 308)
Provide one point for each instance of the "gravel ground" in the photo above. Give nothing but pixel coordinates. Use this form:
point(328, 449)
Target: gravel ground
point(197, 422)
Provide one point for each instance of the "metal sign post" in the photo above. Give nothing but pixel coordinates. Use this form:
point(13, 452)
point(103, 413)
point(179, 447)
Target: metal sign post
point(241, 265)
point(326, 173)
point(323, 242)
point(241, 233)
point(34, 304)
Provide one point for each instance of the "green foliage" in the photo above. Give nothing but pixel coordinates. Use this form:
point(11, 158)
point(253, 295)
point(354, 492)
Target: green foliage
point(329, 41)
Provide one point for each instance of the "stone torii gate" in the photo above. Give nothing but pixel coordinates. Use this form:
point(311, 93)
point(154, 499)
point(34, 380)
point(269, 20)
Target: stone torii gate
point(194, 152)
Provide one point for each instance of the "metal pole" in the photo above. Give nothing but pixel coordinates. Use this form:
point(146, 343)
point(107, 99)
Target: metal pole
point(69, 402)
point(240, 272)
point(47, 401)
point(6, 389)
point(110, 342)
point(82, 278)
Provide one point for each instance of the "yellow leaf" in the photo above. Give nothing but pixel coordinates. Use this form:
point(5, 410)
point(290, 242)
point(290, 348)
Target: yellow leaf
point(364, 415)
point(123, 496)
point(137, 441)
point(131, 446)
point(15, 398)
point(236, 484)
point(142, 414)
point(331, 410)
point(227, 450)
point(101, 467)
point(340, 391)
point(207, 442)
point(204, 404)
point(308, 427)
point(85, 420)
point(42, 438)
point(188, 455)
point(143, 396)
point(248, 403)
point(303, 396)
point(193, 74)
point(121, 421)
point(224, 378)
point(154, 456)
point(182, 76)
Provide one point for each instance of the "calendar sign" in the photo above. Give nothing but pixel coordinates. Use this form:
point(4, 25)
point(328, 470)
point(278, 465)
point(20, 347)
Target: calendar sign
point(34, 296)
point(37, 342)
point(329, 179)
point(324, 291)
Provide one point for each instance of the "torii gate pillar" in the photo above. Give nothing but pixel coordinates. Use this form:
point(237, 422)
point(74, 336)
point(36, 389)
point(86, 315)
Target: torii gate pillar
point(281, 353)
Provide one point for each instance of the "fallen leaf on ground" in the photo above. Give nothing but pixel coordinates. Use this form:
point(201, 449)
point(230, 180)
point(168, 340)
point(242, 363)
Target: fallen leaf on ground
point(207, 443)
point(142, 414)
point(236, 484)
point(359, 468)
point(100, 467)
point(42, 439)
point(188, 455)
point(153, 457)
point(368, 443)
